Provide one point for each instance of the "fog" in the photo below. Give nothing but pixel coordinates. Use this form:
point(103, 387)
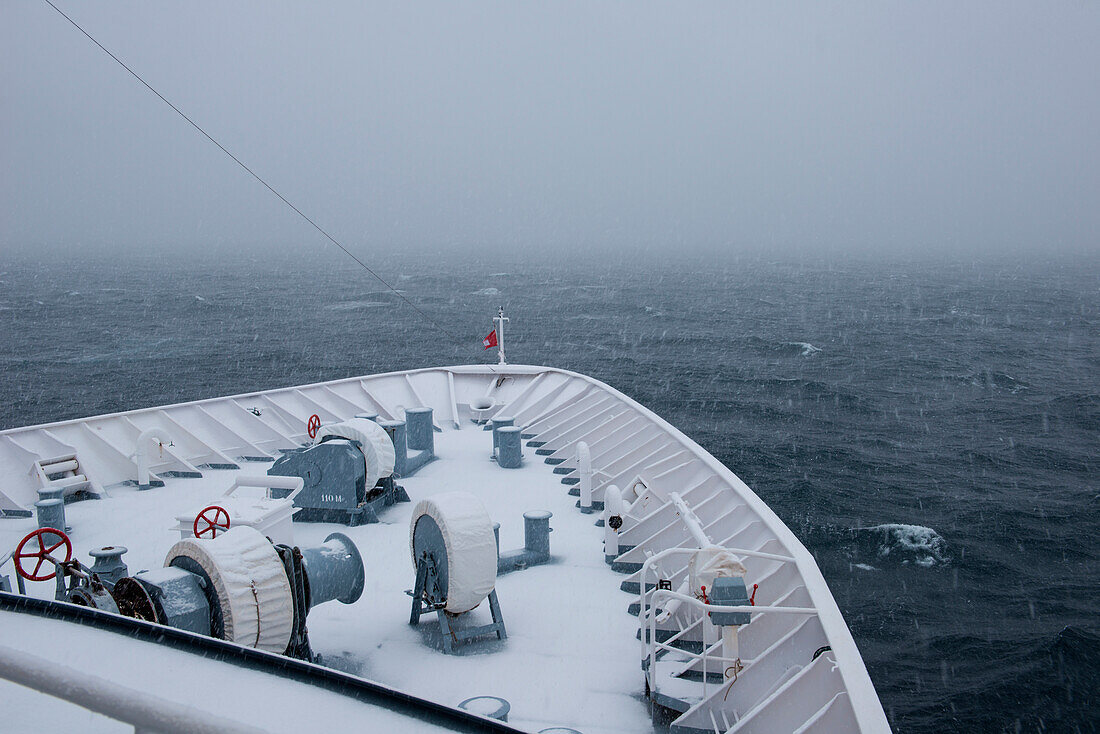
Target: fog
point(810, 127)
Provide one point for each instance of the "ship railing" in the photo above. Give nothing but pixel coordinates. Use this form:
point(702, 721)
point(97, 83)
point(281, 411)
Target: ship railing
point(653, 602)
point(147, 713)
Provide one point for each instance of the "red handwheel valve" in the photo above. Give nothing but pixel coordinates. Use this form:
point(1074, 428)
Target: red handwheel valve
point(752, 599)
point(313, 425)
point(213, 519)
point(46, 546)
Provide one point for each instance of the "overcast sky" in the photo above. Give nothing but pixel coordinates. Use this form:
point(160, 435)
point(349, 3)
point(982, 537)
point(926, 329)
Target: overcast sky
point(944, 126)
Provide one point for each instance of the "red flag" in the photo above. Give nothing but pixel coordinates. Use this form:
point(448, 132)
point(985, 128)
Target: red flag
point(491, 340)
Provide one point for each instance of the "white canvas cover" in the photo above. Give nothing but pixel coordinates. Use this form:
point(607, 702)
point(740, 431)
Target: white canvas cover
point(251, 584)
point(470, 545)
point(708, 564)
point(378, 453)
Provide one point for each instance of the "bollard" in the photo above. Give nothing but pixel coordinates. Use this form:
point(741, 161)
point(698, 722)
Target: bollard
point(109, 564)
point(584, 471)
point(421, 433)
point(536, 544)
point(536, 536)
point(612, 521)
point(509, 450)
point(396, 430)
point(51, 514)
point(498, 423)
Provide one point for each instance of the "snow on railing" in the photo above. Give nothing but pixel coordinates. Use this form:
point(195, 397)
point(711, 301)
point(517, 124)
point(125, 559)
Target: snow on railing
point(148, 714)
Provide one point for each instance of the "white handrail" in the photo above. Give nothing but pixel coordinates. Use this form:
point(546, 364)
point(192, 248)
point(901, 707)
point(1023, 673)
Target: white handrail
point(143, 711)
point(704, 608)
point(268, 481)
point(647, 612)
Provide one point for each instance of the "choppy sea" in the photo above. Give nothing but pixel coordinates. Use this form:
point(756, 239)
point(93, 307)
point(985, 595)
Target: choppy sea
point(929, 430)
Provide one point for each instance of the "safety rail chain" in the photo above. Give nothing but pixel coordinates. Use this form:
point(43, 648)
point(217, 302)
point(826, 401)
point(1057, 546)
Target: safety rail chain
point(647, 616)
point(359, 689)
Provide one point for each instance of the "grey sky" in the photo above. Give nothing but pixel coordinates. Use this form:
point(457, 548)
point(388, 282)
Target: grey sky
point(869, 125)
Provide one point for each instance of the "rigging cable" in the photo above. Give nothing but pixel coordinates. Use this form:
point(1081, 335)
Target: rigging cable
point(255, 175)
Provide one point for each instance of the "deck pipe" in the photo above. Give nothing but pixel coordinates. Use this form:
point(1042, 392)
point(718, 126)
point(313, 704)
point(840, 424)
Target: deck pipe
point(499, 422)
point(612, 507)
point(536, 543)
point(584, 472)
point(418, 431)
point(509, 448)
point(421, 432)
point(143, 444)
point(52, 493)
point(334, 570)
point(51, 514)
point(396, 431)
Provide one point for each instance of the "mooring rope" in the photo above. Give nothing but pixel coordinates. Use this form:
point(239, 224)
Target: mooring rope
point(256, 176)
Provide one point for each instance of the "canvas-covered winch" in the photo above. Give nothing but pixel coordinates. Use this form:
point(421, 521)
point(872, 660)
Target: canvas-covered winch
point(238, 586)
point(349, 473)
point(454, 551)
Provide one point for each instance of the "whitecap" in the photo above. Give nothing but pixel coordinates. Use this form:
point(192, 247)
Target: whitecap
point(199, 298)
point(487, 292)
point(864, 567)
point(911, 543)
point(354, 305)
point(807, 348)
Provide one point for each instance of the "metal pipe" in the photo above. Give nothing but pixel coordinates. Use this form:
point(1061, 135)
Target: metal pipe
point(267, 481)
point(420, 433)
point(143, 441)
point(584, 471)
point(612, 507)
point(143, 711)
point(691, 520)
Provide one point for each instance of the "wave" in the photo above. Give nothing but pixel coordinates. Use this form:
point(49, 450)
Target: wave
point(786, 349)
point(487, 292)
point(807, 348)
point(909, 543)
point(354, 305)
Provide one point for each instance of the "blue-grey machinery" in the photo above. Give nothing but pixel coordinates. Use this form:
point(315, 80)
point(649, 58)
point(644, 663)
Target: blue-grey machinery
point(350, 471)
point(238, 586)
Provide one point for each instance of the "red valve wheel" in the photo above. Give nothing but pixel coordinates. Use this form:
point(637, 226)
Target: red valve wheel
point(213, 519)
point(313, 425)
point(46, 546)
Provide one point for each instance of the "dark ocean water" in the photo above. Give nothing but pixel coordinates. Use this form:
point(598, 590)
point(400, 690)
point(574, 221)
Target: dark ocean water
point(930, 431)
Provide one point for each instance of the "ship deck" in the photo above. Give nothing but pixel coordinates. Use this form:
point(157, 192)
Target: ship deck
point(572, 655)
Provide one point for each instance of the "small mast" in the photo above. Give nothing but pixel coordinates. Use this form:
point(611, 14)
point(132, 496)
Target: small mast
point(499, 321)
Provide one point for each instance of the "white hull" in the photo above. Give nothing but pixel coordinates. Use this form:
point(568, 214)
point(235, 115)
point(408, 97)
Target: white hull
point(572, 657)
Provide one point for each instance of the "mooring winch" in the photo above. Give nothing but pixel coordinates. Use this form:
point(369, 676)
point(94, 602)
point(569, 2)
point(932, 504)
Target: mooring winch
point(454, 551)
point(348, 473)
point(237, 586)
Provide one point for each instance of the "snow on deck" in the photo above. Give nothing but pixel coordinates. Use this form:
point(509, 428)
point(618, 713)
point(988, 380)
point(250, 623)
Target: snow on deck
point(571, 657)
